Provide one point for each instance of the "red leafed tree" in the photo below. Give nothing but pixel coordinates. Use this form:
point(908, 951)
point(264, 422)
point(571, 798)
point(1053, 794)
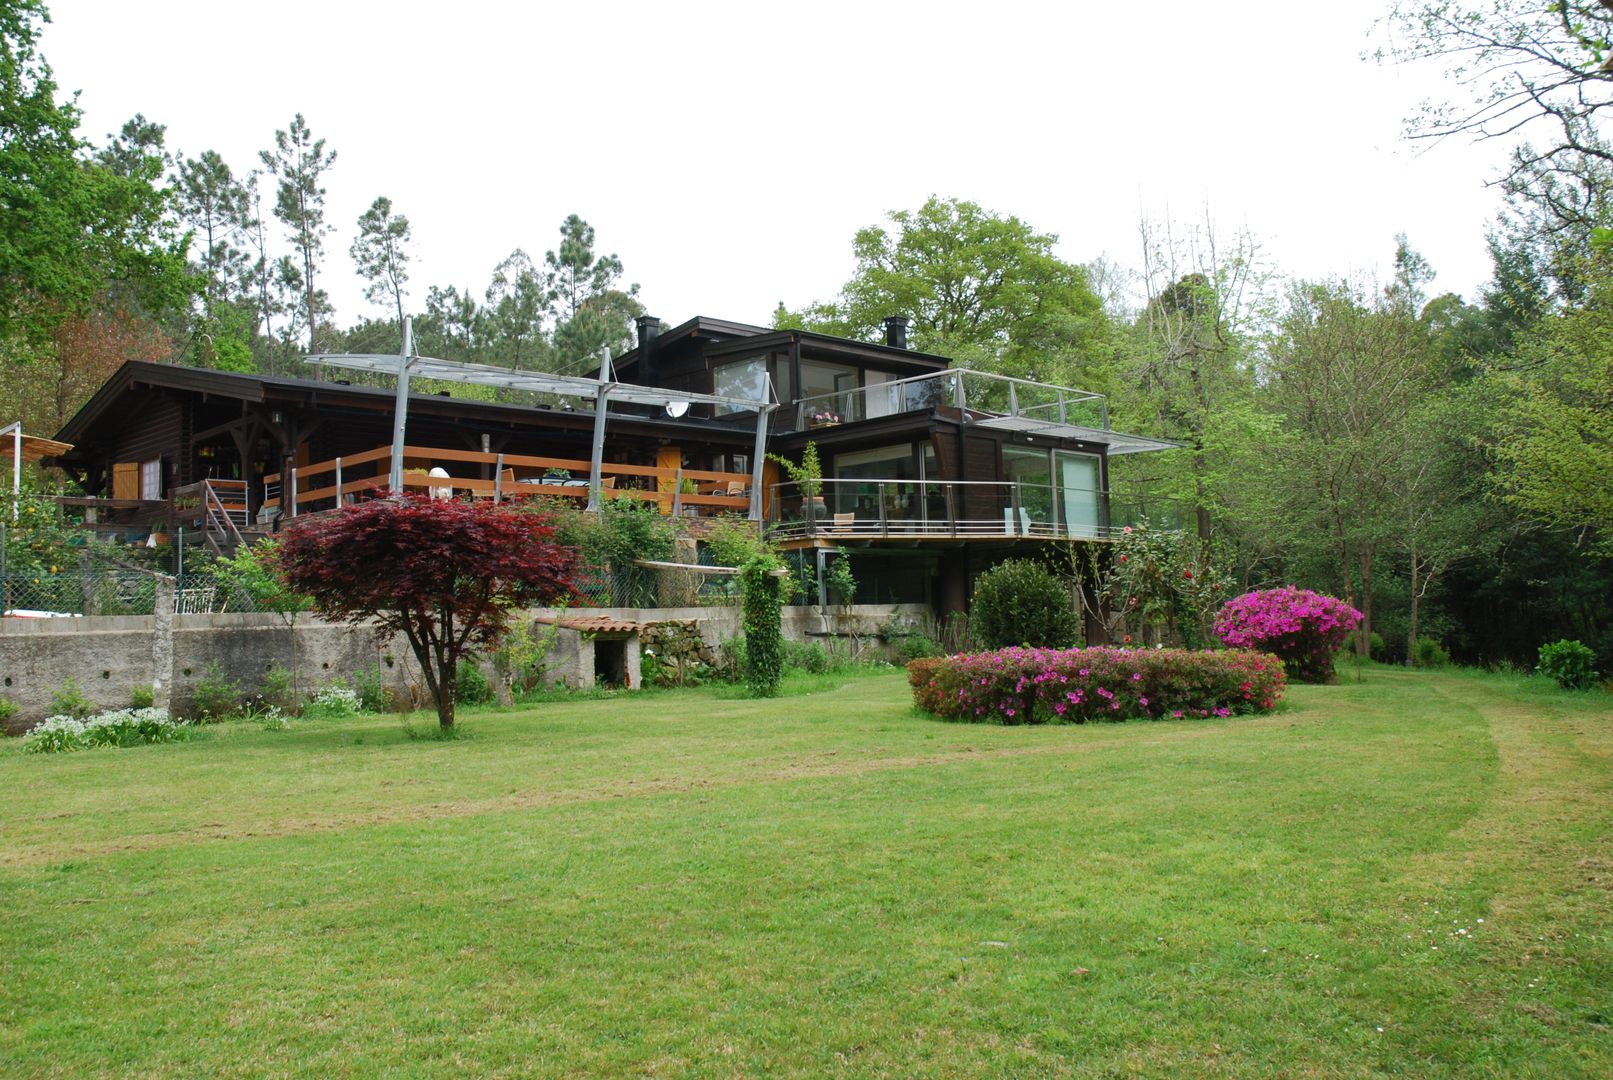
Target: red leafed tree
point(444, 574)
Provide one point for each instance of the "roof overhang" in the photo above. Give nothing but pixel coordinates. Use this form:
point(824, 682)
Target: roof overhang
point(1118, 442)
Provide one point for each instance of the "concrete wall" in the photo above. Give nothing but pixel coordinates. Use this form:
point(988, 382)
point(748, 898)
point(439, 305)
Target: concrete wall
point(108, 656)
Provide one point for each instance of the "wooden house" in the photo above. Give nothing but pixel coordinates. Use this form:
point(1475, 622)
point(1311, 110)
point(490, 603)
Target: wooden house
point(930, 473)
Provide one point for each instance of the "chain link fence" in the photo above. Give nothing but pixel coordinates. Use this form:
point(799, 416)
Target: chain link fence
point(116, 592)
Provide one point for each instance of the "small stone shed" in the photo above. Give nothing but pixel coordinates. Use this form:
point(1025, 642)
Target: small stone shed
point(593, 650)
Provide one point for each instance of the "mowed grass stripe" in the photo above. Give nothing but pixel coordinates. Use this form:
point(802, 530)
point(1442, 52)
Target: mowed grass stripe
point(1235, 902)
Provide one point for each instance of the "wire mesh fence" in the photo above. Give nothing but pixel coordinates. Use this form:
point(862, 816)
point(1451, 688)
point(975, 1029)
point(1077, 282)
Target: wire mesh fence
point(117, 592)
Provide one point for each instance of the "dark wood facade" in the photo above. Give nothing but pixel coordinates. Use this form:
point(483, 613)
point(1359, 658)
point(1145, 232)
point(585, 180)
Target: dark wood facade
point(191, 425)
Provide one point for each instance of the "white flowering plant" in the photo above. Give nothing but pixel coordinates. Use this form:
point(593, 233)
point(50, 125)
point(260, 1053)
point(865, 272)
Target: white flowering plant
point(121, 727)
point(334, 702)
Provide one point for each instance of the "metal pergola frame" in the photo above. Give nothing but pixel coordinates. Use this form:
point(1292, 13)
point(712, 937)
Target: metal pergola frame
point(600, 391)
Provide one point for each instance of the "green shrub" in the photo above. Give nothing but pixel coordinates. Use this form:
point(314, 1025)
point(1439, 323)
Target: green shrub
point(275, 690)
point(917, 647)
point(1377, 649)
point(70, 701)
point(1429, 654)
point(808, 656)
point(470, 685)
point(143, 697)
point(8, 711)
point(249, 580)
point(1021, 602)
point(1570, 663)
point(731, 661)
point(215, 697)
point(370, 686)
point(732, 540)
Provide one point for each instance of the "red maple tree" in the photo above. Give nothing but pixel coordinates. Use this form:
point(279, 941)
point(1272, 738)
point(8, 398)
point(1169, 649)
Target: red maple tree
point(444, 574)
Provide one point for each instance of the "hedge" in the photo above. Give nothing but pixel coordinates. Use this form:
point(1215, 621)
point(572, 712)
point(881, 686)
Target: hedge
point(1038, 686)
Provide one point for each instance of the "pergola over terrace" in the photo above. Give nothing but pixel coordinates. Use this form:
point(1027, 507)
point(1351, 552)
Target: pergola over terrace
point(600, 390)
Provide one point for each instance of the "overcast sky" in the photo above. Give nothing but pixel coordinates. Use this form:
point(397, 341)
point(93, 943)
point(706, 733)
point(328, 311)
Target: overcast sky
point(728, 152)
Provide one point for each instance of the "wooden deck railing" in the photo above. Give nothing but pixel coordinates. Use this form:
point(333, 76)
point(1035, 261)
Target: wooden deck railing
point(319, 486)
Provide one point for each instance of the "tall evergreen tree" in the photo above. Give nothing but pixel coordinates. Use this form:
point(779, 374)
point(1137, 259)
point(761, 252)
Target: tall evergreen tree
point(381, 252)
point(593, 312)
point(299, 163)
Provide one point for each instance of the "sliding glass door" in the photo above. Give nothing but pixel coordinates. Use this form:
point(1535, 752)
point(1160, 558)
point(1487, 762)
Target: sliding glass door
point(1080, 503)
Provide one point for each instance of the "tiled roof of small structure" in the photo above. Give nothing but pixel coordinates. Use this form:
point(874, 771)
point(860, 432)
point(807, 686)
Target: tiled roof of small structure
point(591, 624)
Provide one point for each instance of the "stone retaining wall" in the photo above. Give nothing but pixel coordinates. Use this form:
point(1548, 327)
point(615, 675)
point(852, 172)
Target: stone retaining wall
point(108, 656)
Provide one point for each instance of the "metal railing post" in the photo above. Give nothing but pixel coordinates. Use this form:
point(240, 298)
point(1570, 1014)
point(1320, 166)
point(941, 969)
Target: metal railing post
point(339, 483)
point(293, 492)
point(498, 479)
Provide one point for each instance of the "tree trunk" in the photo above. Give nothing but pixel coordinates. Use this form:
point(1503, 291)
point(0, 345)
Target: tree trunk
point(1363, 641)
point(1411, 634)
point(447, 683)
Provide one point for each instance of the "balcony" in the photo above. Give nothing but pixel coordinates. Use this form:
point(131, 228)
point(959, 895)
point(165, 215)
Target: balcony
point(323, 485)
point(840, 510)
point(978, 398)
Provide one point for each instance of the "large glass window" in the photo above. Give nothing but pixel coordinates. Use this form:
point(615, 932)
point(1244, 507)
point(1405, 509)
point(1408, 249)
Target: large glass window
point(746, 378)
point(897, 495)
point(1079, 502)
point(1030, 501)
point(837, 380)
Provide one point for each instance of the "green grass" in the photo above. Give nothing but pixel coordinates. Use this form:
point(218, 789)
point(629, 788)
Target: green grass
point(693, 884)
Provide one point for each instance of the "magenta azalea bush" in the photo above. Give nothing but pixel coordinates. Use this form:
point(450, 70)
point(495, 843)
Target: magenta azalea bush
point(1040, 686)
point(1304, 628)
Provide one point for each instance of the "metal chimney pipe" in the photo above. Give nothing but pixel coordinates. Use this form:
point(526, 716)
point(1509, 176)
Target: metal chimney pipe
point(896, 331)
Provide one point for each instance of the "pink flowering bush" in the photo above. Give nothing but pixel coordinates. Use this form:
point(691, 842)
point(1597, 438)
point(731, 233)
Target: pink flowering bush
point(1304, 628)
point(1041, 686)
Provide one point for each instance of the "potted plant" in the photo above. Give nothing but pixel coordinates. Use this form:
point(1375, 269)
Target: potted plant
point(808, 479)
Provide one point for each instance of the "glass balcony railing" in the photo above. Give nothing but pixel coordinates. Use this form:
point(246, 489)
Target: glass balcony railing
point(975, 391)
point(956, 508)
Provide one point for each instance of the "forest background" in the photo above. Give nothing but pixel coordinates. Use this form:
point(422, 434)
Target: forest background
point(1444, 463)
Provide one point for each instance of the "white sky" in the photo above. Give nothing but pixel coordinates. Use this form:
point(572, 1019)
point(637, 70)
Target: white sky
point(728, 152)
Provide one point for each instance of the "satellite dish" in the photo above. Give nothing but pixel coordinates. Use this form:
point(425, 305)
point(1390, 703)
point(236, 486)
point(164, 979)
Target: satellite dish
point(675, 409)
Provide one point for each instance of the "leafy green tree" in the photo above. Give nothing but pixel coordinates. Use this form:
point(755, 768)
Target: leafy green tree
point(299, 163)
point(1348, 371)
point(71, 226)
point(381, 251)
point(1555, 448)
point(1185, 370)
point(982, 288)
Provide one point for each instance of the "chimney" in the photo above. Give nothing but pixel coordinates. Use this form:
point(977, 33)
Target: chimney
point(896, 331)
point(649, 328)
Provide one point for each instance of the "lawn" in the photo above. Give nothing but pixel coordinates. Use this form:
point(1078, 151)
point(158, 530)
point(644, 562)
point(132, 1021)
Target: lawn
point(1410, 874)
